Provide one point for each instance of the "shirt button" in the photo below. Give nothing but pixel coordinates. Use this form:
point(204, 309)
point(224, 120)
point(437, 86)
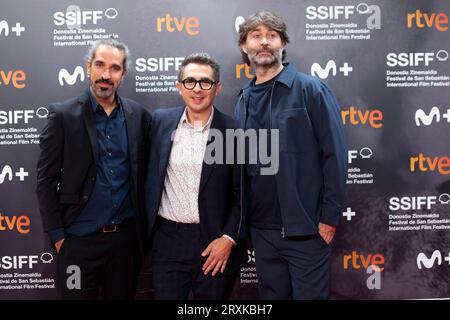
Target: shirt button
point(108, 136)
point(112, 171)
point(109, 154)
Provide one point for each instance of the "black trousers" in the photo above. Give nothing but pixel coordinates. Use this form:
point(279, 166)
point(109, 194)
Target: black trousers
point(177, 265)
point(101, 265)
point(295, 268)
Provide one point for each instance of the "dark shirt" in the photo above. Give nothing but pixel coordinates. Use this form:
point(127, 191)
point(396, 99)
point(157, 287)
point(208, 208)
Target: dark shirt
point(110, 201)
point(264, 208)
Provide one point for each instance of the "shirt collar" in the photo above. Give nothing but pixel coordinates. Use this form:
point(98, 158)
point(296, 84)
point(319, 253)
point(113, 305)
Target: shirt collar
point(184, 120)
point(95, 105)
point(286, 77)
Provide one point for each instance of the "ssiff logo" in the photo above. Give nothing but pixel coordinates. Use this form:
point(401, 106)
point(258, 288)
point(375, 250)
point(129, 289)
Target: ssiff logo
point(415, 59)
point(21, 116)
point(159, 64)
point(21, 262)
point(417, 203)
point(75, 18)
point(345, 12)
point(364, 153)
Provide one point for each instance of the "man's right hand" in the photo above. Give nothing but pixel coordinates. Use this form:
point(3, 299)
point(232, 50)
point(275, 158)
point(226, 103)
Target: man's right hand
point(59, 244)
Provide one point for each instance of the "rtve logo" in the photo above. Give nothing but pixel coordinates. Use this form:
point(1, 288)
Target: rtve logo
point(17, 29)
point(189, 24)
point(422, 20)
point(75, 18)
point(64, 76)
point(345, 12)
point(434, 115)
point(358, 261)
point(21, 262)
point(7, 174)
point(423, 260)
point(414, 59)
point(417, 203)
point(244, 69)
point(353, 116)
point(364, 153)
point(16, 78)
point(424, 163)
point(21, 224)
point(323, 73)
point(159, 64)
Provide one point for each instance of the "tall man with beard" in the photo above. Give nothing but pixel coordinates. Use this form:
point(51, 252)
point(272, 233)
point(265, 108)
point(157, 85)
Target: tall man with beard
point(90, 178)
point(292, 214)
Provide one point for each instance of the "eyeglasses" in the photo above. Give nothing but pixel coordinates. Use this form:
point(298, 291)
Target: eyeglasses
point(205, 84)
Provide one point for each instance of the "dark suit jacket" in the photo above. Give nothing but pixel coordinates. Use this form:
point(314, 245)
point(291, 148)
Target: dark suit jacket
point(67, 165)
point(219, 194)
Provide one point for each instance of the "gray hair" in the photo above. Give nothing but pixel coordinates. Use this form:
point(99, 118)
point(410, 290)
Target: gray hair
point(271, 21)
point(113, 44)
point(200, 58)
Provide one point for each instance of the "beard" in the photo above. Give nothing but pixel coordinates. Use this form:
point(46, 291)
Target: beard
point(266, 61)
point(102, 92)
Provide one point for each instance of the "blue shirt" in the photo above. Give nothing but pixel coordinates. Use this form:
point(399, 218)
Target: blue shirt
point(264, 208)
point(110, 201)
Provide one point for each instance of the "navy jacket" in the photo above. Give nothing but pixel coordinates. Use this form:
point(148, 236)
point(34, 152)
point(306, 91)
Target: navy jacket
point(219, 195)
point(311, 178)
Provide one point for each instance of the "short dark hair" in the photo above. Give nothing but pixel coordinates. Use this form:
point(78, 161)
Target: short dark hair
point(113, 44)
point(270, 20)
point(200, 58)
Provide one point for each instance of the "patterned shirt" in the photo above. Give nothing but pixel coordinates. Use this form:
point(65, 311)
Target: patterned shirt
point(179, 200)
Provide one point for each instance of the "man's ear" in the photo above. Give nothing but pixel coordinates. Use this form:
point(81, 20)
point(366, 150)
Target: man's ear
point(244, 48)
point(218, 88)
point(88, 68)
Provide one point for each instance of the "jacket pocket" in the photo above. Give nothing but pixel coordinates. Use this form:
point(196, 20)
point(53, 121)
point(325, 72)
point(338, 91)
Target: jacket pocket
point(296, 134)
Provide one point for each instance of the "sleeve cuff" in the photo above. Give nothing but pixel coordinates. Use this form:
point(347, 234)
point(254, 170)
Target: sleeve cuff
point(56, 235)
point(229, 238)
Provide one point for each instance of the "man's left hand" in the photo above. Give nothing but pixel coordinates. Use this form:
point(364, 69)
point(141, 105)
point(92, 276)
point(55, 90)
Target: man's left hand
point(219, 251)
point(326, 232)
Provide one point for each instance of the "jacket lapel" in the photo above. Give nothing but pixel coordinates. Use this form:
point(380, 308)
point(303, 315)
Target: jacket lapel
point(207, 169)
point(167, 141)
point(132, 137)
point(89, 121)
